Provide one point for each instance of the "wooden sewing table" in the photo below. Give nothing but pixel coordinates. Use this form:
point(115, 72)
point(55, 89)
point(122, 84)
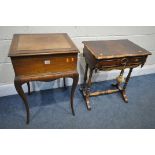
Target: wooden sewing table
point(109, 55)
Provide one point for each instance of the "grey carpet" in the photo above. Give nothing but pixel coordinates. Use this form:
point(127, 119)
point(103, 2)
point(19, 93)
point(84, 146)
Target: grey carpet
point(51, 108)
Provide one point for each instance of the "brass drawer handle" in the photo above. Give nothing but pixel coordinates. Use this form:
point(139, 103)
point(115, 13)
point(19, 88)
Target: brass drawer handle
point(124, 61)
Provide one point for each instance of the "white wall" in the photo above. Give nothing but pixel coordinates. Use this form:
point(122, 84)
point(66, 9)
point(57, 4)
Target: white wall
point(143, 36)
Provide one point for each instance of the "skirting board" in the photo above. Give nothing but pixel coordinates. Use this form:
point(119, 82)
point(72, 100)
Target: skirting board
point(9, 89)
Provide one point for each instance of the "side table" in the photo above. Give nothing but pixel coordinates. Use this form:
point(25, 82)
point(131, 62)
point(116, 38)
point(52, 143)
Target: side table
point(109, 55)
point(43, 57)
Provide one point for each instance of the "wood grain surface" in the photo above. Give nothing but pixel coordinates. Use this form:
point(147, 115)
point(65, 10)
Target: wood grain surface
point(105, 49)
point(41, 44)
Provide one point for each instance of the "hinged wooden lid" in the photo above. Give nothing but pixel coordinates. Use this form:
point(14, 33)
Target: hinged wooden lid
point(41, 44)
point(106, 49)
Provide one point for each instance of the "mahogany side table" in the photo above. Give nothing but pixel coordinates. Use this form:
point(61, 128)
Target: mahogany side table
point(43, 57)
point(108, 55)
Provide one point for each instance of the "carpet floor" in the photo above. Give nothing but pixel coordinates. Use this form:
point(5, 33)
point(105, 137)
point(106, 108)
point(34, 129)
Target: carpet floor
point(50, 109)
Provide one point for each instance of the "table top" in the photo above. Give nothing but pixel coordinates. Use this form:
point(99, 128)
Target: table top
point(105, 49)
point(41, 44)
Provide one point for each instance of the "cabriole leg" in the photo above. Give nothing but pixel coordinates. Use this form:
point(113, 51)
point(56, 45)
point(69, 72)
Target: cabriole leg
point(20, 91)
point(74, 85)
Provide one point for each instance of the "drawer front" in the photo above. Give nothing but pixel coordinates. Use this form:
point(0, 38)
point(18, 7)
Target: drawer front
point(135, 60)
point(44, 64)
point(121, 62)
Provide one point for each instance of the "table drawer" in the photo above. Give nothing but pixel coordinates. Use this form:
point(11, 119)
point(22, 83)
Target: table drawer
point(120, 62)
point(135, 60)
point(44, 64)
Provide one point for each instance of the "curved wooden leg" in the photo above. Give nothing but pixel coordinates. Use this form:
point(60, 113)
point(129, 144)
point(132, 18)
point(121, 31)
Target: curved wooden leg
point(29, 91)
point(20, 91)
point(74, 85)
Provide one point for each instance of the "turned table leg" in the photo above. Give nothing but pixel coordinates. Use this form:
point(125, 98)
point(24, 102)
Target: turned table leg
point(121, 74)
point(87, 90)
point(18, 86)
point(64, 82)
point(28, 85)
point(74, 85)
point(125, 85)
point(123, 89)
point(84, 88)
point(85, 76)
